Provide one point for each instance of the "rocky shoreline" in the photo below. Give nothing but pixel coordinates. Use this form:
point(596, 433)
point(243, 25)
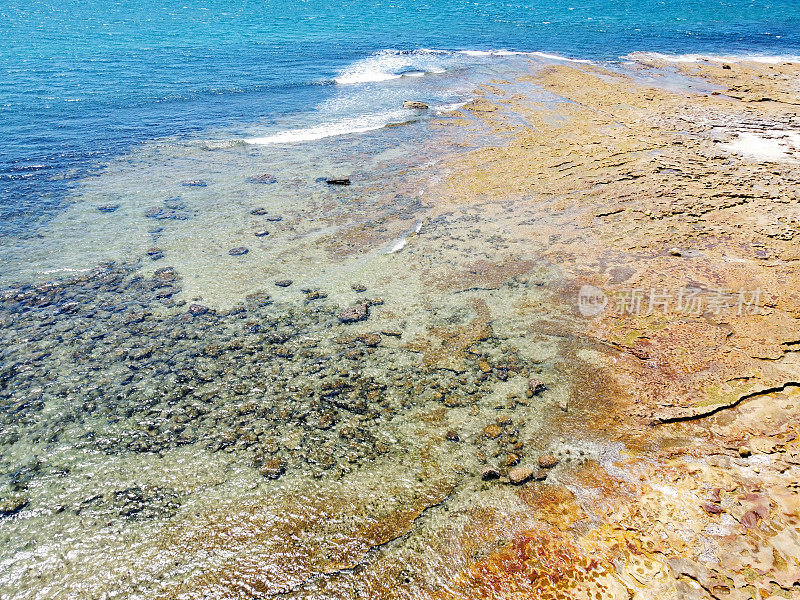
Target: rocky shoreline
point(576, 377)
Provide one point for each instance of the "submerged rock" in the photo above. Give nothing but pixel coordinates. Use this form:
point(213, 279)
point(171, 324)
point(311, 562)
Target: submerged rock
point(194, 183)
point(284, 283)
point(492, 431)
point(12, 505)
point(238, 251)
point(548, 461)
point(356, 312)
point(536, 386)
point(519, 475)
point(272, 468)
point(197, 309)
point(108, 208)
point(264, 178)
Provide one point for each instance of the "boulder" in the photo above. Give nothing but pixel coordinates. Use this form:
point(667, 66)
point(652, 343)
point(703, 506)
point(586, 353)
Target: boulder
point(415, 105)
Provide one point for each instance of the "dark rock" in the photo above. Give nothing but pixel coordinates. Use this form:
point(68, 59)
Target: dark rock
point(273, 468)
point(536, 386)
point(284, 283)
point(356, 312)
point(12, 505)
point(108, 208)
point(415, 105)
point(452, 436)
point(264, 178)
point(490, 473)
point(338, 181)
point(197, 309)
point(145, 503)
point(326, 421)
point(238, 251)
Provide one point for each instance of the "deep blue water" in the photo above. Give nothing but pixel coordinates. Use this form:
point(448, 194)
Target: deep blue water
point(83, 80)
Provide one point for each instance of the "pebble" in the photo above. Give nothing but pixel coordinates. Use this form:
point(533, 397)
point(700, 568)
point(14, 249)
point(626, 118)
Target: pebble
point(262, 233)
point(492, 431)
point(359, 287)
point(392, 332)
point(490, 473)
point(238, 251)
point(744, 452)
point(519, 475)
point(284, 283)
point(452, 436)
point(536, 386)
point(675, 252)
point(547, 461)
point(194, 183)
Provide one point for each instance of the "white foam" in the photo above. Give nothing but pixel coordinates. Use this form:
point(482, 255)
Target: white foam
point(695, 58)
point(387, 65)
point(331, 129)
point(772, 145)
point(549, 56)
point(546, 55)
point(399, 245)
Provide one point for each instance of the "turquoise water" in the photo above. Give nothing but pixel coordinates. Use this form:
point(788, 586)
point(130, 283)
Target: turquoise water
point(82, 81)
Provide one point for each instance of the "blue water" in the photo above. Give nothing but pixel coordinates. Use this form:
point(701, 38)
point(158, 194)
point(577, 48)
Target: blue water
point(84, 80)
